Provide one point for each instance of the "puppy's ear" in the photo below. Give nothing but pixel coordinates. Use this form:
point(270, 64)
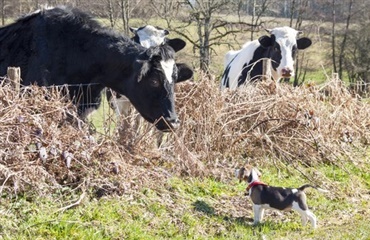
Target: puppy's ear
point(259, 174)
point(241, 174)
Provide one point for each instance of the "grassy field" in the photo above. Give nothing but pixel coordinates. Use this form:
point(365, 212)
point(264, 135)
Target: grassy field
point(193, 208)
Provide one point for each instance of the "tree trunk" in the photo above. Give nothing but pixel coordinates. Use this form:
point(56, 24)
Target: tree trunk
point(333, 37)
point(206, 51)
point(125, 12)
point(292, 9)
point(253, 17)
point(3, 12)
point(343, 44)
point(110, 13)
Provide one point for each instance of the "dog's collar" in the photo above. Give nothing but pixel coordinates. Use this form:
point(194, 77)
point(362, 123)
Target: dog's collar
point(255, 183)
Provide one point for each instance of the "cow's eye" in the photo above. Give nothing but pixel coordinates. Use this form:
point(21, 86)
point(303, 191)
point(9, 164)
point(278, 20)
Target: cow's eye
point(155, 83)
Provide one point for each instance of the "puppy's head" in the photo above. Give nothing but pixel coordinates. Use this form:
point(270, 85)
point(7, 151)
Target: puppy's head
point(244, 174)
point(254, 175)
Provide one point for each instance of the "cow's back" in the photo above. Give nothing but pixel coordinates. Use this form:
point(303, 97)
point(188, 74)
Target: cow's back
point(236, 61)
point(61, 46)
point(53, 46)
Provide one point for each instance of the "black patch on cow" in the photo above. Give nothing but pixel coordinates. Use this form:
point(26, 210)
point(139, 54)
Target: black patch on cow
point(67, 46)
point(252, 70)
point(226, 73)
point(136, 38)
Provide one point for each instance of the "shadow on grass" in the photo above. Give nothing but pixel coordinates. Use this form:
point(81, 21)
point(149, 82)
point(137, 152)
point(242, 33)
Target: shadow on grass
point(205, 208)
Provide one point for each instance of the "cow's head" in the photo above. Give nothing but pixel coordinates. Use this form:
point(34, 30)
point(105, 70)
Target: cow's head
point(282, 45)
point(150, 36)
point(151, 90)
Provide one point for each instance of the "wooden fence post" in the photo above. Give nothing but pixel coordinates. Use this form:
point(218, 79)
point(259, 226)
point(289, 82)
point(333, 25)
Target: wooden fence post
point(266, 69)
point(14, 74)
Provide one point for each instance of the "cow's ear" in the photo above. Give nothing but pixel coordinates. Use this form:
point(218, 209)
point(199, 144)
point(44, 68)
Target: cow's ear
point(303, 43)
point(265, 41)
point(133, 30)
point(177, 44)
point(166, 32)
point(184, 72)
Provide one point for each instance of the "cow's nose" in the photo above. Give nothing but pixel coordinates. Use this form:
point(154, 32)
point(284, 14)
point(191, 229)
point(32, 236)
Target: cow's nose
point(175, 123)
point(286, 72)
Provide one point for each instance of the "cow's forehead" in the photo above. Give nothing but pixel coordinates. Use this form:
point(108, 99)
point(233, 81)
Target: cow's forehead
point(150, 30)
point(285, 36)
point(168, 67)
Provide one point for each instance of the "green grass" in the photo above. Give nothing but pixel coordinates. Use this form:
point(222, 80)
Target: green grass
point(193, 209)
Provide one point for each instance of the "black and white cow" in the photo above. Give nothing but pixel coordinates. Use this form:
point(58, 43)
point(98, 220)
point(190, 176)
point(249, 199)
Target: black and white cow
point(151, 36)
point(58, 46)
point(246, 64)
point(147, 36)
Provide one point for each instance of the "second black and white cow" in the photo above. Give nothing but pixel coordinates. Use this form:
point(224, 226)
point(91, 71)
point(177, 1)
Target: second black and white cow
point(151, 36)
point(59, 46)
point(280, 46)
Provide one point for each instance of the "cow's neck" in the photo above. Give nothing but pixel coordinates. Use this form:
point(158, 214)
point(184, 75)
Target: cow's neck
point(117, 61)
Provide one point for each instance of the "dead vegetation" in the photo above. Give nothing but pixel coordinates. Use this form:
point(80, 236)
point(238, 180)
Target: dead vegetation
point(44, 147)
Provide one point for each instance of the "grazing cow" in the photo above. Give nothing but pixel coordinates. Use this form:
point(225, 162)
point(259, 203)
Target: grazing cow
point(147, 36)
point(58, 46)
point(246, 65)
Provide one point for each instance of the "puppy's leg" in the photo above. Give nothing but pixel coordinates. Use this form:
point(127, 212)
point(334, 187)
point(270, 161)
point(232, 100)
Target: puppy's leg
point(312, 218)
point(304, 218)
point(262, 211)
point(305, 214)
point(257, 213)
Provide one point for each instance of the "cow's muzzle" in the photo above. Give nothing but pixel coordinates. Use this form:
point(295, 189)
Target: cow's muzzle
point(167, 125)
point(286, 72)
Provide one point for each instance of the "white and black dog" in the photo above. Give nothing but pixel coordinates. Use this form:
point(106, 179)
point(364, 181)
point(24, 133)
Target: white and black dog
point(280, 198)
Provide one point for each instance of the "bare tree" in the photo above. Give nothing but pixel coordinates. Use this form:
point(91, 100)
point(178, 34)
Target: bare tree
point(210, 21)
point(298, 12)
point(125, 14)
point(110, 13)
point(344, 40)
point(2, 12)
point(259, 8)
point(333, 40)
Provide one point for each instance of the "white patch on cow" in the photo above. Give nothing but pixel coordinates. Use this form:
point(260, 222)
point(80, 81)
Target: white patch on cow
point(286, 38)
point(168, 69)
point(294, 190)
point(229, 56)
point(150, 36)
point(43, 7)
point(236, 64)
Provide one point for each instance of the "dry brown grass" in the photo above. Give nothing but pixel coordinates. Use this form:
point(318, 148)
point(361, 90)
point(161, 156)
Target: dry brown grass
point(261, 123)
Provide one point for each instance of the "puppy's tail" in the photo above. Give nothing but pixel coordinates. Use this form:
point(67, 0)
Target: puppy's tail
point(302, 188)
